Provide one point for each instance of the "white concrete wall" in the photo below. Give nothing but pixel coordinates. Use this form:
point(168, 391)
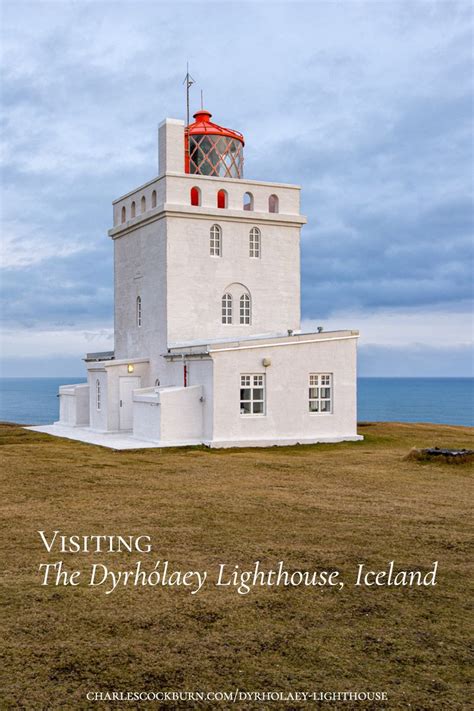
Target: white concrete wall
point(196, 280)
point(157, 186)
point(200, 372)
point(174, 191)
point(181, 413)
point(178, 192)
point(167, 263)
point(168, 415)
point(140, 270)
point(287, 412)
point(171, 146)
point(98, 419)
point(74, 405)
point(147, 415)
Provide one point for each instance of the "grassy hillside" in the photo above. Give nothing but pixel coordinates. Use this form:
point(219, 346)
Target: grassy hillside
point(317, 506)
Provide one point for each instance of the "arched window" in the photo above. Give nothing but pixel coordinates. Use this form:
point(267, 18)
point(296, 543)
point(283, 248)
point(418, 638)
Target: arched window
point(248, 201)
point(222, 198)
point(143, 204)
point(245, 309)
point(133, 209)
point(273, 203)
point(97, 394)
point(153, 198)
point(195, 196)
point(215, 246)
point(139, 311)
point(227, 308)
point(124, 214)
point(254, 242)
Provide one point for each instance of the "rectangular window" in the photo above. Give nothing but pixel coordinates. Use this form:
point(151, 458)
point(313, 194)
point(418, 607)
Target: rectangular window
point(252, 394)
point(215, 247)
point(227, 308)
point(320, 392)
point(254, 243)
point(245, 309)
point(215, 241)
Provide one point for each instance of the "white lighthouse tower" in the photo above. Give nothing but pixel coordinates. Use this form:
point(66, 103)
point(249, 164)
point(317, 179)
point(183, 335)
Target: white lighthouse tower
point(208, 347)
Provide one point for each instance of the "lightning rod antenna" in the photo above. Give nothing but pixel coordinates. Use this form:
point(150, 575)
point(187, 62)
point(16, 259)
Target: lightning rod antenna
point(189, 81)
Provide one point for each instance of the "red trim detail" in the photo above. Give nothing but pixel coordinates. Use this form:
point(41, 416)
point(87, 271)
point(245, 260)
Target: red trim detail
point(202, 125)
point(222, 199)
point(186, 149)
point(195, 197)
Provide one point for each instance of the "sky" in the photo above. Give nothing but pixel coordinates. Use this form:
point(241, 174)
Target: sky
point(366, 105)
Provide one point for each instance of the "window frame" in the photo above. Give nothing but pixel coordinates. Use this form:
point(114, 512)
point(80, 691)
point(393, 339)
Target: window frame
point(98, 395)
point(139, 313)
point(226, 308)
point(222, 199)
point(247, 206)
point(215, 241)
point(252, 382)
point(255, 243)
point(274, 204)
point(320, 382)
point(195, 196)
point(245, 310)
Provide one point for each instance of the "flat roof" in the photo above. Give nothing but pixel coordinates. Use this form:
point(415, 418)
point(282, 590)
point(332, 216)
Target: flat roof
point(256, 341)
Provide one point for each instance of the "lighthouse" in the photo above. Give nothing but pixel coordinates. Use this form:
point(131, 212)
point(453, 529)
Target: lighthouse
point(208, 346)
point(212, 149)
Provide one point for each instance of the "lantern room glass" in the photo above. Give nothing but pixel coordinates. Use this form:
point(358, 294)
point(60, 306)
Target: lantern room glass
point(219, 156)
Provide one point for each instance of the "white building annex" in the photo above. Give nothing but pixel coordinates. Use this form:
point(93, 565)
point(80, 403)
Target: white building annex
point(208, 346)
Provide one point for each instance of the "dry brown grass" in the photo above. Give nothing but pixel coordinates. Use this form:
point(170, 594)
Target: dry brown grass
point(311, 506)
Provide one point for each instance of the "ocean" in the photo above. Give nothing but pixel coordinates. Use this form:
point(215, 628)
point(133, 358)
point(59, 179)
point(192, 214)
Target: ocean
point(440, 400)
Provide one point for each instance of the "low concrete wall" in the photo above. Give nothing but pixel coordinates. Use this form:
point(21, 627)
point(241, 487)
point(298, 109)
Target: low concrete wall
point(74, 405)
point(147, 414)
point(168, 414)
point(181, 413)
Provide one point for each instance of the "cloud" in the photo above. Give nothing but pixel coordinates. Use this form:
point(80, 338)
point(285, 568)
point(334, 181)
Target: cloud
point(366, 105)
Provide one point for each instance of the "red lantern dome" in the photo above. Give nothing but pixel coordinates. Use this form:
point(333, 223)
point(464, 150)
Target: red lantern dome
point(212, 149)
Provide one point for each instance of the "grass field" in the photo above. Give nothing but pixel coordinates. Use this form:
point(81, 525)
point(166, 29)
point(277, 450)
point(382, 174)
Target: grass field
point(313, 507)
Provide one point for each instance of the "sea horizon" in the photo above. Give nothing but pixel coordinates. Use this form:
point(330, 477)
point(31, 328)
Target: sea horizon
point(439, 400)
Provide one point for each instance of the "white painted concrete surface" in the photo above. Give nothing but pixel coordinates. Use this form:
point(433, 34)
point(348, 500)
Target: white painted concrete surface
point(74, 404)
point(111, 440)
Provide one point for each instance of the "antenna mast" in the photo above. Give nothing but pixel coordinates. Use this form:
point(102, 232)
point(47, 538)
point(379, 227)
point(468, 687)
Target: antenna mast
point(189, 81)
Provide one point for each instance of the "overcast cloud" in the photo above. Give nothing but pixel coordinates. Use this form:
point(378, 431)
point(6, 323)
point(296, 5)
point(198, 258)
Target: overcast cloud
point(366, 105)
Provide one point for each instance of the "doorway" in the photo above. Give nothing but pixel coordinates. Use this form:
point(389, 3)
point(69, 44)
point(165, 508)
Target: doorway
point(127, 385)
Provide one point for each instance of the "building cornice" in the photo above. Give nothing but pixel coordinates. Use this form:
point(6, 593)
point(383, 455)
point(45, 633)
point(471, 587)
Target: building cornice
point(204, 213)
